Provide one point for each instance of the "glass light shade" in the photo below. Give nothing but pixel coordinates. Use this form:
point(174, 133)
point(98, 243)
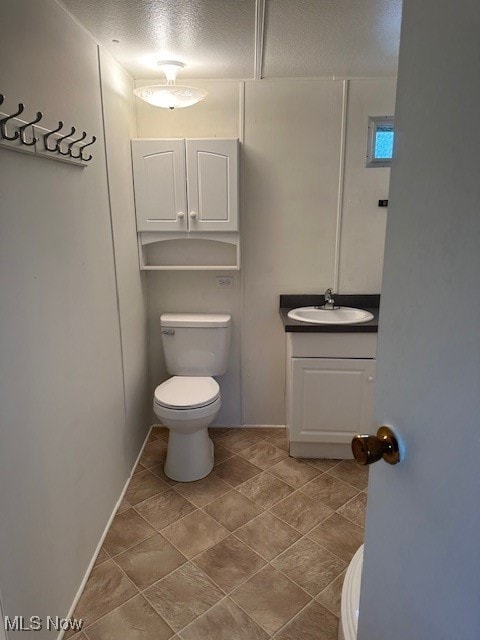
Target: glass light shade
point(170, 96)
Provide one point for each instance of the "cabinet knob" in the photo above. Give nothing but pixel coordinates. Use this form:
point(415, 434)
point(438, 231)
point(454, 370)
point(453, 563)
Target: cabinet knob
point(180, 215)
point(193, 214)
point(370, 378)
point(367, 449)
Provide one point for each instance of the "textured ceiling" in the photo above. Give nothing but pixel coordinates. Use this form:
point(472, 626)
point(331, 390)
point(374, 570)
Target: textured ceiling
point(216, 38)
point(331, 37)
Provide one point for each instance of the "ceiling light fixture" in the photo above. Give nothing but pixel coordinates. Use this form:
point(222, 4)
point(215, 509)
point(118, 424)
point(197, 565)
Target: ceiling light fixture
point(170, 95)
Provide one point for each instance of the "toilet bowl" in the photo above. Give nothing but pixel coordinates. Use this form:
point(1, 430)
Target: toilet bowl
point(196, 347)
point(187, 405)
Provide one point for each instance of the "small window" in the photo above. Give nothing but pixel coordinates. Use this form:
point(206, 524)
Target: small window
point(380, 141)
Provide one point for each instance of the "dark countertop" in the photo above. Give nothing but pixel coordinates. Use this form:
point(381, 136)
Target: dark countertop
point(367, 302)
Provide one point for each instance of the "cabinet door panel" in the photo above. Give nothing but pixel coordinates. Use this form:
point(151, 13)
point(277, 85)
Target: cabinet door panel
point(332, 398)
point(212, 185)
point(160, 189)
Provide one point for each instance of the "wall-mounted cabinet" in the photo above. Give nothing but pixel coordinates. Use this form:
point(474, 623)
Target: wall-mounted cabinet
point(186, 185)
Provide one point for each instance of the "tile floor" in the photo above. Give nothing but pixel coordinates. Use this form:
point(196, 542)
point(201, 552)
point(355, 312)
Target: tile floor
point(256, 550)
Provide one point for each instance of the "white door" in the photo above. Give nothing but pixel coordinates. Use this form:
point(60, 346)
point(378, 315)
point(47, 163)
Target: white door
point(332, 398)
point(212, 184)
point(421, 578)
point(160, 186)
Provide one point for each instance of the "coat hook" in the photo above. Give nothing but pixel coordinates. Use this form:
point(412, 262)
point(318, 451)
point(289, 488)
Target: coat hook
point(60, 140)
point(21, 130)
point(47, 135)
point(72, 155)
point(4, 121)
point(94, 138)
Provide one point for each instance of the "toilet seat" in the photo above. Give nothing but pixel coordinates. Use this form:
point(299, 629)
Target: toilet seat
point(182, 393)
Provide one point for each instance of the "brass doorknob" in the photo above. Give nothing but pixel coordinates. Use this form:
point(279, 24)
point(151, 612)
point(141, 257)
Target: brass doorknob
point(367, 449)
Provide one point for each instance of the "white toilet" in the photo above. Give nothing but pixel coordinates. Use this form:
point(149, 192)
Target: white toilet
point(196, 347)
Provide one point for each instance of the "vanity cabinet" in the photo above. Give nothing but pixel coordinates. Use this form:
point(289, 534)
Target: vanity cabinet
point(330, 385)
point(186, 185)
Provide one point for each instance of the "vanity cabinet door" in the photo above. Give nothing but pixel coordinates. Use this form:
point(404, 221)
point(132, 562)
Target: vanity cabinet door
point(332, 399)
point(160, 184)
point(212, 185)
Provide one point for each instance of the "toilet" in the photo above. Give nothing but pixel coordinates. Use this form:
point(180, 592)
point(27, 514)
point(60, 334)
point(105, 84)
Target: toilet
point(196, 347)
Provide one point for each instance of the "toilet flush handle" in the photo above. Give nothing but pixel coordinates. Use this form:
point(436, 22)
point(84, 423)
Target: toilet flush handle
point(168, 332)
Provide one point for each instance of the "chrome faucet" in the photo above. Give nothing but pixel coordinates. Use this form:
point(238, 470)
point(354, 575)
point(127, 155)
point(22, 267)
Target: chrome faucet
point(329, 300)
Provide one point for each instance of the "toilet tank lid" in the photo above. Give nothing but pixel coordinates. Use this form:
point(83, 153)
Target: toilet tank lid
point(195, 319)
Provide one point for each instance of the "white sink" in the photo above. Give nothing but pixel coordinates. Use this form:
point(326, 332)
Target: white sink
point(342, 315)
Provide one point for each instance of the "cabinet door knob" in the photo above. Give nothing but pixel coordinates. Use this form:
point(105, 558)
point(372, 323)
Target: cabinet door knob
point(180, 215)
point(367, 449)
point(370, 378)
point(193, 214)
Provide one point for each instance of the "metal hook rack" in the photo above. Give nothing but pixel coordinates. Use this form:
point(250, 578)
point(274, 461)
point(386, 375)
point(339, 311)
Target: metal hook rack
point(27, 136)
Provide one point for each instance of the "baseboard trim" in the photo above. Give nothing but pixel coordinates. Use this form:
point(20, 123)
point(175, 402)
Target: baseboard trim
point(105, 531)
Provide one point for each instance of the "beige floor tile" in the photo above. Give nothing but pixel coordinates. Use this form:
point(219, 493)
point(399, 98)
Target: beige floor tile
point(221, 453)
point(279, 439)
point(150, 561)
point(194, 533)
point(265, 489)
point(267, 535)
point(144, 485)
point(301, 512)
point(159, 472)
point(236, 470)
point(123, 506)
point(309, 565)
point(263, 454)
point(102, 556)
point(233, 509)
point(106, 588)
point(354, 510)
point(77, 636)
point(239, 439)
point(322, 464)
point(127, 529)
point(270, 599)
point(338, 535)
point(183, 595)
point(264, 432)
point(154, 453)
point(351, 472)
point(229, 563)
point(134, 620)
point(294, 472)
point(160, 432)
point(217, 432)
point(151, 437)
point(224, 621)
point(138, 468)
point(313, 623)
point(329, 490)
point(165, 508)
point(331, 596)
point(203, 491)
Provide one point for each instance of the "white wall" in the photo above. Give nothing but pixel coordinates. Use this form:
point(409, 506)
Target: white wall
point(290, 175)
point(65, 449)
point(363, 221)
point(120, 126)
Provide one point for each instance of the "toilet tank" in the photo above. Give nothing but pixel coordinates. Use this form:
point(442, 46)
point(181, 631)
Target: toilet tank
point(196, 344)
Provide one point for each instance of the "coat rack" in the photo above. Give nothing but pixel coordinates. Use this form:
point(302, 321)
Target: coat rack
point(27, 136)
